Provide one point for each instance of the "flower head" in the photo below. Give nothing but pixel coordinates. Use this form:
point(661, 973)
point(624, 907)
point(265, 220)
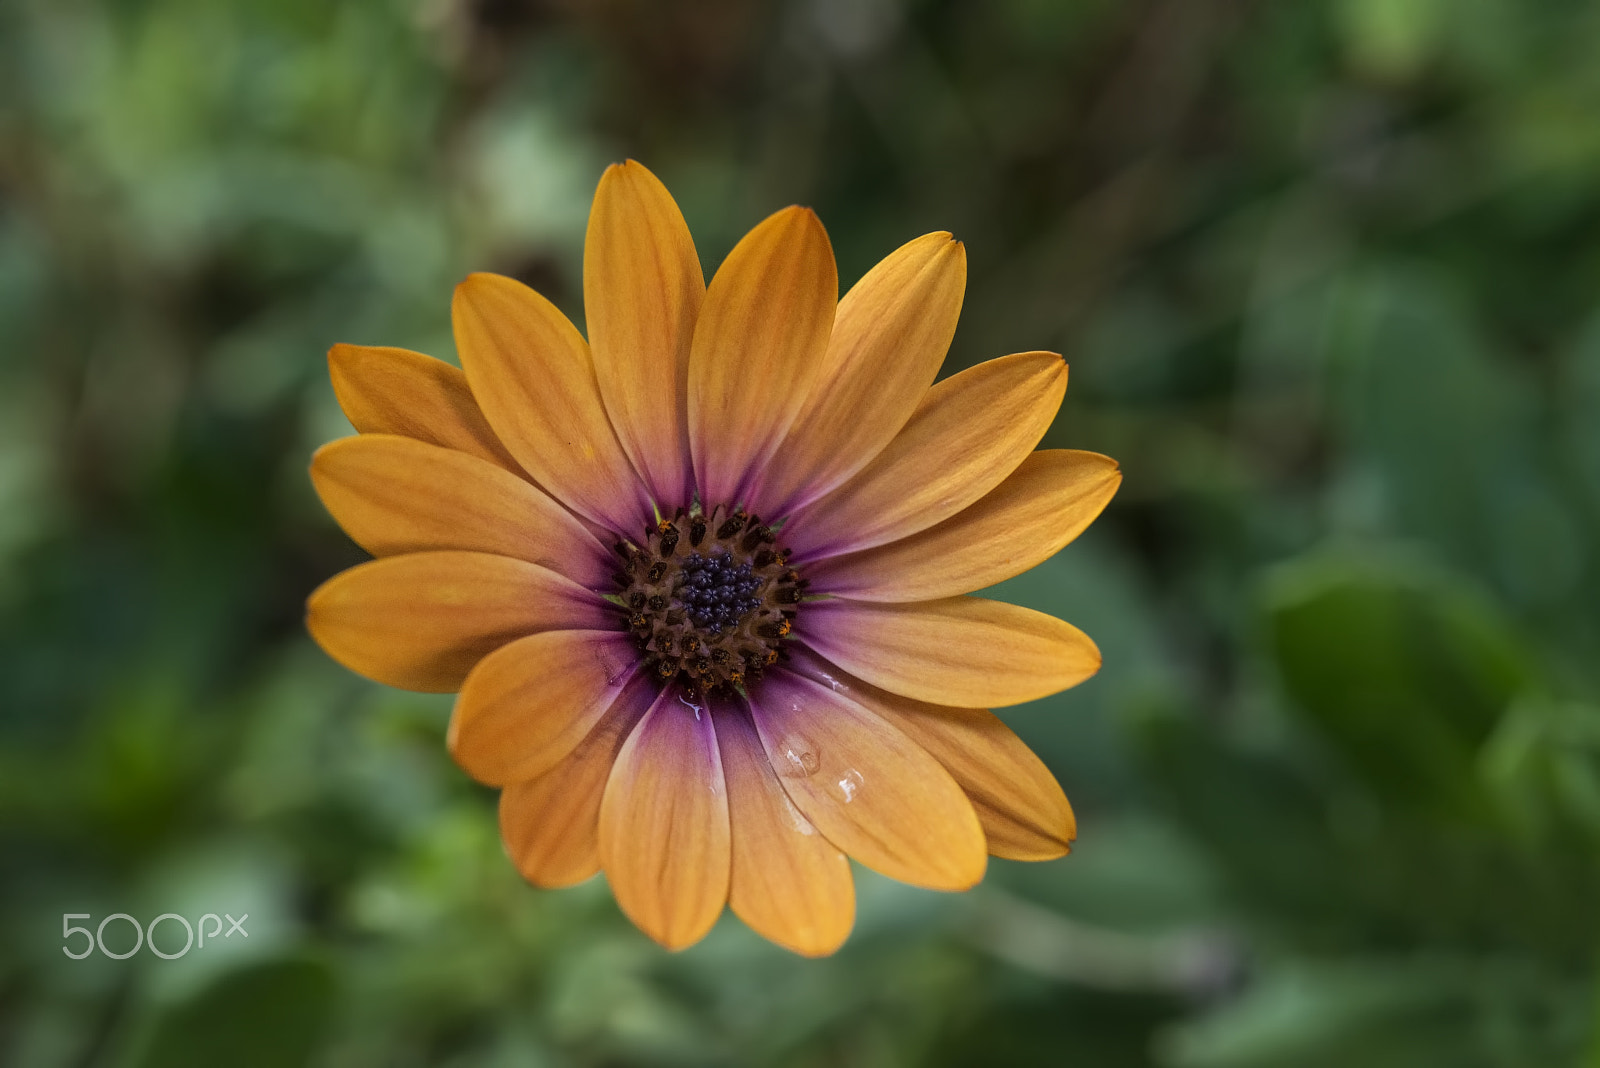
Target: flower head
point(701, 579)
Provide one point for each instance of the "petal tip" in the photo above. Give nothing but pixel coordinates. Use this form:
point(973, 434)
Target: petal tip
point(946, 252)
point(471, 296)
point(672, 935)
point(1044, 359)
point(315, 619)
point(1059, 839)
point(1035, 853)
point(627, 168)
point(815, 948)
point(971, 874)
point(476, 281)
point(801, 215)
point(316, 599)
point(671, 946)
point(344, 367)
point(321, 457)
point(452, 735)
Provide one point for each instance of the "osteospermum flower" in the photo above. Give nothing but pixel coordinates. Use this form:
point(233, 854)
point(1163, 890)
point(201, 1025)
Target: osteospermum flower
point(700, 580)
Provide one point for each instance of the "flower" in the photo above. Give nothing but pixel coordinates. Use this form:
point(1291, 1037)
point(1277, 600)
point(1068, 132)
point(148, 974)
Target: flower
point(701, 580)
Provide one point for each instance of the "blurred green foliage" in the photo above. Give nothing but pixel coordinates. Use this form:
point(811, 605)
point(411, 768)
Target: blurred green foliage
point(1328, 278)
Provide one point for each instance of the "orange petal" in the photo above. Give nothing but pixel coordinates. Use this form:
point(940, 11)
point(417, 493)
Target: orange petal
point(1024, 811)
point(530, 369)
point(871, 790)
point(396, 391)
point(1025, 814)
point(958, 651)
point(758, 348)
point(399, 495)
point(789, 883)
point(421, 621)
point(969, 433)
point(551, 825)
point(526, 705)
point(642, 288)
point(664, 839)
point(890, 335)
point(1042, 505)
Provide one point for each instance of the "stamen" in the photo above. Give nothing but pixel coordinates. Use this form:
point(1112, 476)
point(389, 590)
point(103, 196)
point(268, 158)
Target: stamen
point(669, 537)
point(714, 617)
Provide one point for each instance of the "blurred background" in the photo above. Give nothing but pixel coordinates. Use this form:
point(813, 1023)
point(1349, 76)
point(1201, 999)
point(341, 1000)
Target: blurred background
point(1327, 275)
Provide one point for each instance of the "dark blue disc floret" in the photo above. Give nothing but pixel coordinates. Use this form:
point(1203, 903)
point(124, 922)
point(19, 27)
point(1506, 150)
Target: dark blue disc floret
point(717, 592)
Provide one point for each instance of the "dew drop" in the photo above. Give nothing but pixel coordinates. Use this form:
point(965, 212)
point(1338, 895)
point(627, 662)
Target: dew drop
point(801, 755)
point(850, 785)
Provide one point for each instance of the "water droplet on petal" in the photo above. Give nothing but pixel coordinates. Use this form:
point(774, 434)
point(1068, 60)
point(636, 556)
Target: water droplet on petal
point(800, 755)
point(850, 785)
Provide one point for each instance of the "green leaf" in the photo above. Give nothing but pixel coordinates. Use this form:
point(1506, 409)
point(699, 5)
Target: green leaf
point(1404, 674)
point(1544, 761)
point(1443, 1011)
point(270, 1015)
point(1392, 37)
point(1451, 435)
point(1263, 825)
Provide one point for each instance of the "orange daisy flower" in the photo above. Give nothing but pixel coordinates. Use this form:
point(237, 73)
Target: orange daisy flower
point(701, 580)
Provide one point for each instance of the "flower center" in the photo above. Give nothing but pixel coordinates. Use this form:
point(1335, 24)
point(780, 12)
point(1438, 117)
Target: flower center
point(709, 597)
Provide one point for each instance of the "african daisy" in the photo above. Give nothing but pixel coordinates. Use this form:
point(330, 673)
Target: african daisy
point(701, 579)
